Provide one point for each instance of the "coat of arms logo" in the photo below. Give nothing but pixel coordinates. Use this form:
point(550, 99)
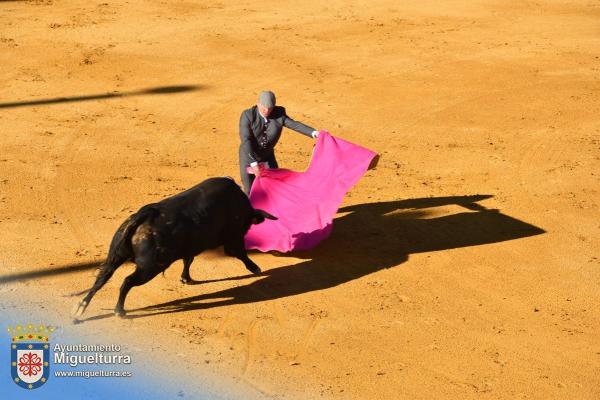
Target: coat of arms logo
point(30, 355)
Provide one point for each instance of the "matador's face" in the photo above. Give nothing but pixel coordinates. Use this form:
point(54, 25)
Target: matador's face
point(264, 110)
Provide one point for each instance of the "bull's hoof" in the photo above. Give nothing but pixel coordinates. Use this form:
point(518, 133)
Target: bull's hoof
point(186, 281)
point(120, 313)
point(255, 270)
point(79, 309)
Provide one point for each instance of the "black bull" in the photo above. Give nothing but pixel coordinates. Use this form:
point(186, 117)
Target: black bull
point(213, 213)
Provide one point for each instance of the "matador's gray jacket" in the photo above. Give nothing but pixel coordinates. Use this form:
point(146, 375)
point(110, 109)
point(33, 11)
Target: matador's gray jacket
point(258, 138)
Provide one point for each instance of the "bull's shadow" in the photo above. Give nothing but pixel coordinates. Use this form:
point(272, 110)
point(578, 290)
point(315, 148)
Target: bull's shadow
point(369, 238)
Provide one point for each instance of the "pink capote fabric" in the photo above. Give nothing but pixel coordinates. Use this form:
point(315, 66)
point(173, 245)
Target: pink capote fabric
point(306, 202)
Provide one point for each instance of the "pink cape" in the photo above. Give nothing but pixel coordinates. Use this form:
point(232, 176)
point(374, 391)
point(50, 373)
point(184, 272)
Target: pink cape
point(306, 202)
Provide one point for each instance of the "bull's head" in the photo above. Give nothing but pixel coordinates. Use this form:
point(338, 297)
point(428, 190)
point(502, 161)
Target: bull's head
point(260, 215)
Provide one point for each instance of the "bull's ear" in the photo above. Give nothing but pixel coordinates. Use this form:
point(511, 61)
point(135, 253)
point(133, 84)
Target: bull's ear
point(260, 215)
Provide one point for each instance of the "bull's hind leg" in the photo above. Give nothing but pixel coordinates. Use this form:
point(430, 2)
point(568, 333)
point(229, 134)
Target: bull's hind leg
point(236, 248)
point(106, 272)
point(147, 265)
point(143, 273)
point(185, 274)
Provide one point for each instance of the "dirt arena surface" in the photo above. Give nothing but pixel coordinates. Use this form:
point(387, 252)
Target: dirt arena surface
point(466, 265)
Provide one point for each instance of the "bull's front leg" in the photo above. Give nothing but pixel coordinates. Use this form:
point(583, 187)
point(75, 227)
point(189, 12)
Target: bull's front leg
point(238, 250)
point(185, 274)
point(250, 265)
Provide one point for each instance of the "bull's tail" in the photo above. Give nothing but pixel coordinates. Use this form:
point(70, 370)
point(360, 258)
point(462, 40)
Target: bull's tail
point(120, 251)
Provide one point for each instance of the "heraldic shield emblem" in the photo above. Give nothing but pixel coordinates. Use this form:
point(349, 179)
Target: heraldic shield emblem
point(30, 355)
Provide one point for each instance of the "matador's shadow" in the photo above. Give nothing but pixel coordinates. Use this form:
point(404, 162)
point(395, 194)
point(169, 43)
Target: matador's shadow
point(369, 238)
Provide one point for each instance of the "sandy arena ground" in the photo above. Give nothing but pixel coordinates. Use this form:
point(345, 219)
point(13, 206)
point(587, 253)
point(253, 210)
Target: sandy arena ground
point(466, 265)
